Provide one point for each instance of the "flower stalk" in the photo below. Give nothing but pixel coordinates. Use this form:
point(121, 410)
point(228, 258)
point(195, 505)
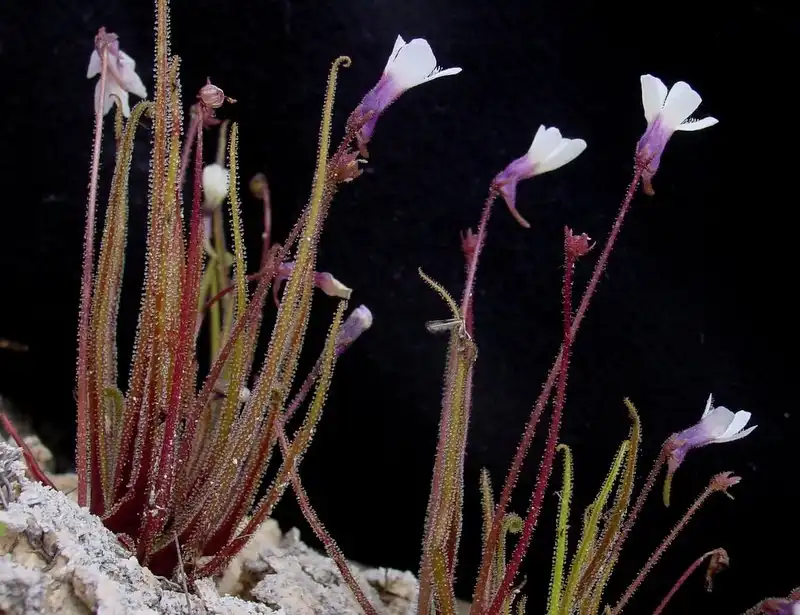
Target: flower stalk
point(721, 482)
point(84, 454)
point(574, 248)
point(719, 560)
point(480, 595)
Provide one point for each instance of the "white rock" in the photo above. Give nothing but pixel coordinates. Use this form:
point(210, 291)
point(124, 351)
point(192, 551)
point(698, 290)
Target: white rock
point(56, 557)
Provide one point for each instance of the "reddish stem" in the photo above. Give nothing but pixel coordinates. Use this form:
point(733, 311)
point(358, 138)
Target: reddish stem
point(662, 548)
point(600, 266)
point(630, 520)
point(84, 429)
point(264, 277)
point(33, 466)
point(266, 235)
point(687, 573)
point(472, 266)
point(156, 517)
point(530, 428)
point(331, 548)
point(546, 469)
point(426, 570)
point(250, 278)
point(247, 319)
point(191, 136)
point(301, 395)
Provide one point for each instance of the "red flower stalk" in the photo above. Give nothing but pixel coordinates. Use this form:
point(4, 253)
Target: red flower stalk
point(575, 246)
point(718, 561)
point(480, 597)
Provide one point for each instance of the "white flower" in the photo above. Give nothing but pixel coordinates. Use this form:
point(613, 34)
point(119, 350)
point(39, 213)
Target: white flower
point(412, 64)
point(666, 111)
point(673, 107)
point(216, 180)
point(722, 425)
point(717, 425)
point(548, 152)
point(409, 65)
point(121, 79)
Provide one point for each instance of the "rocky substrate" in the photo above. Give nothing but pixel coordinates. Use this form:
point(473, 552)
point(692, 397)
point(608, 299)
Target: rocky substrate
point(56, 557)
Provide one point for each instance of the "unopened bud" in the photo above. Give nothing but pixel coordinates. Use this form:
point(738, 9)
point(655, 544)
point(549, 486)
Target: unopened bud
point(211, 96)
point(216, 179)
point(331, 286)
point(576, 245)
point(469, 243)
point(244, 395)
point(347, 168)
point(359, 320)
point(221, 388)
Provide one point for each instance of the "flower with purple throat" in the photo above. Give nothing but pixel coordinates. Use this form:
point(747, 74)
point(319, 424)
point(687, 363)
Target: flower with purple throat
point(779, 606)
point(717, 425)
point(548, 152)
point(409, 65)
point(666, 111)
point(121, 77)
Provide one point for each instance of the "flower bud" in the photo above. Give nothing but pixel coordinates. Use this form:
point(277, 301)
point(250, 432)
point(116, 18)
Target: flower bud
point(331, 286)
point(216, 180)
point(211, 96)
point(359, 320)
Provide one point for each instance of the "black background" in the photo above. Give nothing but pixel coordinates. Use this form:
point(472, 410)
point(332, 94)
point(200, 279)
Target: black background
point(698, 297)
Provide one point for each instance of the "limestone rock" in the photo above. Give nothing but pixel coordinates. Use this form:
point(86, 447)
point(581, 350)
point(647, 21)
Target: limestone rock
point(56, 557)
point(304, 582)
